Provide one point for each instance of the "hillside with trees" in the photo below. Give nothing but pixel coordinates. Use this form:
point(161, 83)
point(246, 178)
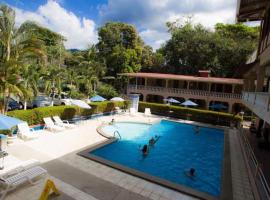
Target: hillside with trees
point(34, 59)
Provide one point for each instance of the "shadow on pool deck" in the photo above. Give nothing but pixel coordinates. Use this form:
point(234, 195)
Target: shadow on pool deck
point(62, 196)
point(88, 183)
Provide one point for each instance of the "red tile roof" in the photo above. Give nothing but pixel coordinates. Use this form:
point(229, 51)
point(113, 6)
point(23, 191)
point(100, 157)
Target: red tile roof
point(185, 77)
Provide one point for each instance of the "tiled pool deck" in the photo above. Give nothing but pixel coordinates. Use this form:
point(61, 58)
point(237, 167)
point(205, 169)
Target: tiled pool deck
point(82, 179)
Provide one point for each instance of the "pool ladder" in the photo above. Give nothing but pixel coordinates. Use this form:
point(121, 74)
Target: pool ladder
point(114, 134)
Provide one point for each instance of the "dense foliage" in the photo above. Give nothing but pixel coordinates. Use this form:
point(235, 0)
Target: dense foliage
point(194, 47)
point(205, 116)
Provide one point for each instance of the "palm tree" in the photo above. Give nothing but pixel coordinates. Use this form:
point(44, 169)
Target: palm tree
point(17, 47)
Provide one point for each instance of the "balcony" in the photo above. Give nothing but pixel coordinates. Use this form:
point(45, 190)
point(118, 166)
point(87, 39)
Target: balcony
point(259, 103)
point(185, 93)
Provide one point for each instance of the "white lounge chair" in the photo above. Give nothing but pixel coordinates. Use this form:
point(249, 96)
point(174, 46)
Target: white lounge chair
point(25, 132)
point(18, 167)
point(27, 176)
point(117, 110)
point(132, 112)
point(62, 123)
point(147, 112)
point(49, 124)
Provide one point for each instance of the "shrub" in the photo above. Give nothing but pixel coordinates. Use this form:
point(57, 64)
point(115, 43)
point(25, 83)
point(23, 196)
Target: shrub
point(205, 116)
point(107, 106)
point(107, 91)
point(36, 115)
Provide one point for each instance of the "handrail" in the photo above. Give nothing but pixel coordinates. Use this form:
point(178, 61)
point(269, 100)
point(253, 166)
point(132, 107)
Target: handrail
point(186, 91)
point(261, 183)
point(117, 134)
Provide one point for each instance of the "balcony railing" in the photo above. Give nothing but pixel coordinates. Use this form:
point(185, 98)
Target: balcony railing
point(260, 100)
point(259, 103)
point(173, 91)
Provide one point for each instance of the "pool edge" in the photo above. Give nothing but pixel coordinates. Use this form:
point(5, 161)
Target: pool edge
point(226, 190)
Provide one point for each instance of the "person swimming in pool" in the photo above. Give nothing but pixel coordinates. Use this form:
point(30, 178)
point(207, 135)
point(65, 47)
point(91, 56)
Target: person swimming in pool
point(191, 173)
point(112, 122)
point(145, 150)
point(197, 129)
point(153, 140)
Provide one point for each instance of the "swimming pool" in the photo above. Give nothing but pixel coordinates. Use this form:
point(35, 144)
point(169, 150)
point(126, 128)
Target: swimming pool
point(178, 149)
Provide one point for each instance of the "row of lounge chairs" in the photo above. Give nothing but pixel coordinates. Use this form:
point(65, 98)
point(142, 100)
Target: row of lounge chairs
point(147, 112)
point(25, 132)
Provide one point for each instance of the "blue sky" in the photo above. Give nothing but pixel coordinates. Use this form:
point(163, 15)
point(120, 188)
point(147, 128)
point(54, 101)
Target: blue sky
point(78, 20)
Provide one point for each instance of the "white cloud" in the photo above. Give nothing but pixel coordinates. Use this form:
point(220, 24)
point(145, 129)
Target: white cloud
point(154, 37)
point(152, 15)
point(79, 32)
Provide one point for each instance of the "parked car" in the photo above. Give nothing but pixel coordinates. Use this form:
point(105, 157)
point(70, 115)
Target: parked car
point(13, 105)
point(61, 99)
point(39, 101)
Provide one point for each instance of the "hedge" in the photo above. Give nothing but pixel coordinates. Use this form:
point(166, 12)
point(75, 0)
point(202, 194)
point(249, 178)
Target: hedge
point(36, 115)
point(205, 116)
point(107, 106)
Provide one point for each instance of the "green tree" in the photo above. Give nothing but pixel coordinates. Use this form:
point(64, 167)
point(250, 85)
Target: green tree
point(194, 47)
point(17, 47)
point(121, 47)
point(107, 91)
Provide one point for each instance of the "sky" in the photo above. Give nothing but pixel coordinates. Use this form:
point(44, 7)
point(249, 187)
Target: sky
point(78, 20)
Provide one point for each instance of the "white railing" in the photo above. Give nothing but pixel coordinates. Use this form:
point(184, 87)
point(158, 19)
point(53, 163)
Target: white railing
point(258, 175)
point(261, 100)
point(137, 88)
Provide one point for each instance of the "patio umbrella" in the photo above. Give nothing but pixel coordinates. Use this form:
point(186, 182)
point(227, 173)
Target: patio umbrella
point(7, 122)
point(218, 106)
point(189, 103)
point(80, 103)
point(117, 99)
point(171, 100)
point(97, 98)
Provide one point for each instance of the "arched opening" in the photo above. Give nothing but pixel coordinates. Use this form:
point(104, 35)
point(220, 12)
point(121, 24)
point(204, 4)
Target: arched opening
point(154, 98)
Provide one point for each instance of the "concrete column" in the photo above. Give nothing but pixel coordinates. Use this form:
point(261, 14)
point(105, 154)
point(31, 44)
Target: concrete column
point(207, 103)
point(209, 87)
point(145, 81)
point(188, 85)
point(233, 87)
point(166, 83)
point(144, 97)
point(260, 78)
point(230, 107)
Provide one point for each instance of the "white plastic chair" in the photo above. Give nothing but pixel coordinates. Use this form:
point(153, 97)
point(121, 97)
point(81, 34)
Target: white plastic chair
point(25, 132)
point(132, 111)
point(27, 176)
point(49, 124)
point(147, 112)
point(62, 123)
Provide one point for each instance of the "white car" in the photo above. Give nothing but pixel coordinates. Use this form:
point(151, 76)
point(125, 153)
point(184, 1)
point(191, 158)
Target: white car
point(60, 99)
point(39, 101)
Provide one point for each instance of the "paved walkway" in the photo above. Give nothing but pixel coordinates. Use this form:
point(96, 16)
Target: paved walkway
point(242, 189)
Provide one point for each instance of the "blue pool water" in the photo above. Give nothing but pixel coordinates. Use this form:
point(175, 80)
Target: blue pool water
point(177, 150)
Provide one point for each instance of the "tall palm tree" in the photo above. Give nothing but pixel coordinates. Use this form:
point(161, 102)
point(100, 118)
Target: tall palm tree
point(17, 47)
